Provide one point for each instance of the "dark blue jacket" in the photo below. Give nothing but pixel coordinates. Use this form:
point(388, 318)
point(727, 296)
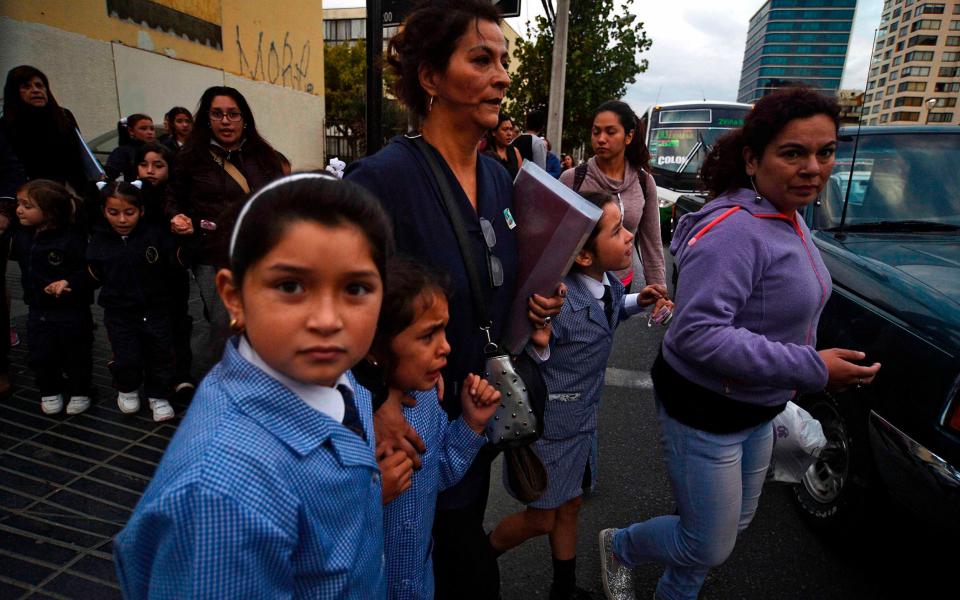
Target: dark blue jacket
point(134, 272)
point(48, 256)
point(399, 176)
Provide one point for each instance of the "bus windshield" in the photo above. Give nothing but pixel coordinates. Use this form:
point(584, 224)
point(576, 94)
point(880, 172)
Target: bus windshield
point(682, 149)
point(680, 135)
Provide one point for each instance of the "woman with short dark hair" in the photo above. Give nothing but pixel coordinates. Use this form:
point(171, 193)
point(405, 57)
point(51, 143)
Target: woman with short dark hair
point(499, 148)
point(450, 58)
point(742, 342)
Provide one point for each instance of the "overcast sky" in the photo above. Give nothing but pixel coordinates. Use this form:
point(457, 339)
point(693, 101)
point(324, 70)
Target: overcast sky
point(698, 46)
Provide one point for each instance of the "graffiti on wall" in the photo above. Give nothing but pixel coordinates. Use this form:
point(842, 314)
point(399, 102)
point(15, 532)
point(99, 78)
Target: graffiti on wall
point(275, 63)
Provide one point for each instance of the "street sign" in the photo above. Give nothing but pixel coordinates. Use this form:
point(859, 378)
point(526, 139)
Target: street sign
point(508, 8)
point(394, 11)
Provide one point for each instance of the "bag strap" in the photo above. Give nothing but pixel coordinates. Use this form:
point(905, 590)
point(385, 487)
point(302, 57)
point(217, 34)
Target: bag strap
point(232, 171)
point(459, 230)
point(579, 174)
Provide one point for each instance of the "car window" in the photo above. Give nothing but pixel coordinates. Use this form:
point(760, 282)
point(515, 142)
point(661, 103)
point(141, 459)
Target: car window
point(897, 177)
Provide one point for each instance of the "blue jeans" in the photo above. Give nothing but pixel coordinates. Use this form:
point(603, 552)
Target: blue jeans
point(716, 479)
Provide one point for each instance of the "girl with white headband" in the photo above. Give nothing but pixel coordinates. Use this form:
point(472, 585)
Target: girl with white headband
point(270, 487)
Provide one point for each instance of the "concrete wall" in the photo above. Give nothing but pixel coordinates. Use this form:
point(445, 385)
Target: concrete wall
point(102, 67)
point(80, 70)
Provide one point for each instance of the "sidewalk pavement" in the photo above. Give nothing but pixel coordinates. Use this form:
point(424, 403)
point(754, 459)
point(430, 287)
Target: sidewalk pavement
point(69, 483)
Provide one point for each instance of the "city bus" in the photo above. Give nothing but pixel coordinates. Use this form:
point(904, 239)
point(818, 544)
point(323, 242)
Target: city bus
point(679, 136)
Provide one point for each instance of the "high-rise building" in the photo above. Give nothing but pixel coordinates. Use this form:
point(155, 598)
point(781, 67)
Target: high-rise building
point(915, 70)
point(791, 41)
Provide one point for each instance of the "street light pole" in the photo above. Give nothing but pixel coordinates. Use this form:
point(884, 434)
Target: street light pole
point(374, 75)
point(558, 76)
point(931, 103)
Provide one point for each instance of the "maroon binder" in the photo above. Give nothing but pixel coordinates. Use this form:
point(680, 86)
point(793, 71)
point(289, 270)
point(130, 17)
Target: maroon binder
point(553, 223)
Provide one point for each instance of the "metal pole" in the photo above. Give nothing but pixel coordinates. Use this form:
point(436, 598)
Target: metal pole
point(374, 76)
point(558, 75)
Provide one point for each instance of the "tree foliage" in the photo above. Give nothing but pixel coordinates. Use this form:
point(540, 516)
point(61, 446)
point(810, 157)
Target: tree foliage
point(603, 58)
point(344, 71)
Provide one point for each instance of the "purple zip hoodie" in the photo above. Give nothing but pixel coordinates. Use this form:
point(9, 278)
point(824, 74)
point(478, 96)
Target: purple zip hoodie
point(749, 297)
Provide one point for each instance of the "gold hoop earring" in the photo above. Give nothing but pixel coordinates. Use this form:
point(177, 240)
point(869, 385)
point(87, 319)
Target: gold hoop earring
point(235, 326)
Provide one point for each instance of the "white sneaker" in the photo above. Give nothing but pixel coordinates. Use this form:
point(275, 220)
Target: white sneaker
point(78, 404)
point(128, 402)
point(162, 411)
point(51, 405)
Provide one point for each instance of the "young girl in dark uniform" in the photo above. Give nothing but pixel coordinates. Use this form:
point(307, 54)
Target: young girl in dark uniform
point(131, 260)
point(56, 287)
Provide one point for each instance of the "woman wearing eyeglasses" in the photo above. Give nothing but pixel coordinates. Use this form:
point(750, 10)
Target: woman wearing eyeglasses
point(450, 59)
point(224, 159)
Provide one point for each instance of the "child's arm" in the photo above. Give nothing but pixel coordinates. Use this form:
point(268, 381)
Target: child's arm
point(201, 544)
point(463, 437)
point(75, 263)
point(652, 294)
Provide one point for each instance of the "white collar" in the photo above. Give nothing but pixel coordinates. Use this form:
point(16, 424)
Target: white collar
point(327, 400)
point(596, 288)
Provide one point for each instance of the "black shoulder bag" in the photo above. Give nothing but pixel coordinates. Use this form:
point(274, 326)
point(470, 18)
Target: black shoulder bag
point(518, 420)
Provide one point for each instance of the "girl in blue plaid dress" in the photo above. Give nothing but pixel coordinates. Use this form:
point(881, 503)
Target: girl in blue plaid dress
point(270, 488)
point(411, 348)
point(580, 344)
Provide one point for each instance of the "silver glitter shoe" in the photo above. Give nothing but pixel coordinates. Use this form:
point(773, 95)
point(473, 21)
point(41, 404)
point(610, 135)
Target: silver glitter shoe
point(617, 579)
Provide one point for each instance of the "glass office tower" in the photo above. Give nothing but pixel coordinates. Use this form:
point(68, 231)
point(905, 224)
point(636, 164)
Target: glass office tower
point(792, 41)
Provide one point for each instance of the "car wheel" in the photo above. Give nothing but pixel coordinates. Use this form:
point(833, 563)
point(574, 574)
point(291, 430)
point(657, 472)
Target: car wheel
point(829, 495)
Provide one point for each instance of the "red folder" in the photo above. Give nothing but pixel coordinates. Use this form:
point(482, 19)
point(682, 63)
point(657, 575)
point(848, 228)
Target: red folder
point(553, 223)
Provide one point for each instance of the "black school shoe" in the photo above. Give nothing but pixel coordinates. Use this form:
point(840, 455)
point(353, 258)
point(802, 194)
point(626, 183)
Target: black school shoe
point(576, 593)
point(183, 393)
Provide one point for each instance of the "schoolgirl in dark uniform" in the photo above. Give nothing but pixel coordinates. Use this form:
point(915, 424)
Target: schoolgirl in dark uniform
point(154, 166)
point(131, 260)
point(56, 287)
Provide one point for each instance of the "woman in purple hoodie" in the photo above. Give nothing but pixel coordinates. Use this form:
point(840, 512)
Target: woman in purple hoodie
point(742, 342)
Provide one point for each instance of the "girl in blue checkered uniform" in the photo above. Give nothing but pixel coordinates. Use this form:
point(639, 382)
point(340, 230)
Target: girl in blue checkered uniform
point(270, 487)
point(411, 348)
point(580, 344)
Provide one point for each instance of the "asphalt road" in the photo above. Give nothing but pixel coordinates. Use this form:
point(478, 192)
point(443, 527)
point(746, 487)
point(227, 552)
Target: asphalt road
point(891, 554)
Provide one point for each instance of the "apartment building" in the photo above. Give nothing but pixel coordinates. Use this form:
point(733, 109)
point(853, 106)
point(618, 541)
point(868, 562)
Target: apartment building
point(915, 69)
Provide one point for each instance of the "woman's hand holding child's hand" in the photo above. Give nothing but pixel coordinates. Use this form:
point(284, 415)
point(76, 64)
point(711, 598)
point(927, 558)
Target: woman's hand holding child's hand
point(654, 293)
point(181, 225)
point(479, 400)
point(396, 472)
point(392, 428)
point(58, 287)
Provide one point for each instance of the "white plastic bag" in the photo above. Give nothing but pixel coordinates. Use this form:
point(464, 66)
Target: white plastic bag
point(797, 442)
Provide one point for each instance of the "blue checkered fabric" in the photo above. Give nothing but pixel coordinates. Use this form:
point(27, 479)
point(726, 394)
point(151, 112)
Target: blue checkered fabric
point(258, 496)
point(408, 520)
point(580, 346)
